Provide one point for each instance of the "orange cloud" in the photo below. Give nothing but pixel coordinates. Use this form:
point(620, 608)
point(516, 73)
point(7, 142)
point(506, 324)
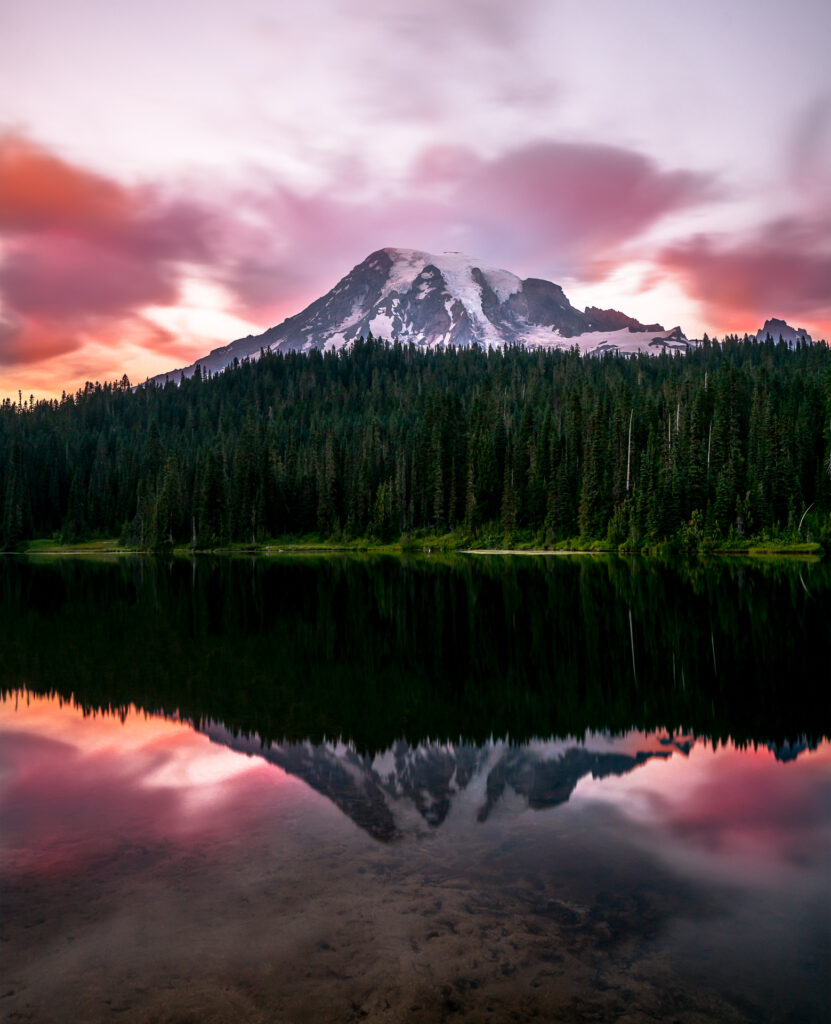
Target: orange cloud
point(40, 191)
point(84, 260)
point(783, 270)
point(83, 255)
point(32, 341)
point(78, 786)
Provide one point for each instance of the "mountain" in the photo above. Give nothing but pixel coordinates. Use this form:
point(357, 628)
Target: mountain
point(406, 790)
point(777, 329)
point(447, 299)
point(612, 320)
point(789, 750)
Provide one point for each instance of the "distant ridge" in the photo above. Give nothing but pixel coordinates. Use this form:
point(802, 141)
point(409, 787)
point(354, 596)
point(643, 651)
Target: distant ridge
point(776, 329)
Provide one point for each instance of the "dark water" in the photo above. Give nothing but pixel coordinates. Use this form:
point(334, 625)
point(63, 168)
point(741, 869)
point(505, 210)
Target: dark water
point(481, 788)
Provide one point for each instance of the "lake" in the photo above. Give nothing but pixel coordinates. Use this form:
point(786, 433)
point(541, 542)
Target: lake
point(344, 788)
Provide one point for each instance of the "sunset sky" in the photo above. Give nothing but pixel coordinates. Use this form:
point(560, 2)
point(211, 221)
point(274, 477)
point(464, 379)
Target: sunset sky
point(175, 176)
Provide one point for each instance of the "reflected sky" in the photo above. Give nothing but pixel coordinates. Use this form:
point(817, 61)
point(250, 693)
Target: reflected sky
point(469, 806)
point(147, 865)
point(76, 784)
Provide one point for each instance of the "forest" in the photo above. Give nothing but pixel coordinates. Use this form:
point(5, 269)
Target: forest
point(388, 442)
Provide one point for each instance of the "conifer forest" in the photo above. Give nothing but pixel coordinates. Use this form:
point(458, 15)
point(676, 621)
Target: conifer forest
point(384, 442)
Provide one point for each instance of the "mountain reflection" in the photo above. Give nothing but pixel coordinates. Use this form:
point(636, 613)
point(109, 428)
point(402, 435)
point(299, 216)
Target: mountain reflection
point(560, 789)
point(395, 792)
point(136, 847)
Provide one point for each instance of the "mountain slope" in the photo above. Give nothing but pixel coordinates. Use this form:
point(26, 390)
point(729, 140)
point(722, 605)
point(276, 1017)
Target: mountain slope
point(407, 790)
point(781, 330)
point(447, 299)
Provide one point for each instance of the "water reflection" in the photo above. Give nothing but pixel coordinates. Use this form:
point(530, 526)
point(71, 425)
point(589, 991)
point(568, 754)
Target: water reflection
point(644, 873)
point(409, 790)
point(335, 791)
point(77, 788)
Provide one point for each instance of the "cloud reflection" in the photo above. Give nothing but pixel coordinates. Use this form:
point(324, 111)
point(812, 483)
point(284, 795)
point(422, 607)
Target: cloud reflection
point(77, 788)
point(740, 806)
point(142, 854)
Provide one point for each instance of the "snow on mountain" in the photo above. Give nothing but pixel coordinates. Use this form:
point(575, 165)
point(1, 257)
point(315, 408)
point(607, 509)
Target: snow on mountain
point(777, 329)
point(432, 299)
point(408, 790)
point(626, 341)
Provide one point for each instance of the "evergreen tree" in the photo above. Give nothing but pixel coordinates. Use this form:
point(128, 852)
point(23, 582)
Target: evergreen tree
point(729, 439)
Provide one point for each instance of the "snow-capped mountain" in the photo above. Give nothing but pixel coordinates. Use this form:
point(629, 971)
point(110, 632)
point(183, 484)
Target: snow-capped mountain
point(408, 790)
point(446, 299)
point(777, 329)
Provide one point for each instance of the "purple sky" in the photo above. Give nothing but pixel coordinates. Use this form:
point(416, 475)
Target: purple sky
point(173, 176)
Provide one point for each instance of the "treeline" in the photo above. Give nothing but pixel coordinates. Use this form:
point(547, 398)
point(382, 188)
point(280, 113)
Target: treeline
point(383, 441)
point(374, 648)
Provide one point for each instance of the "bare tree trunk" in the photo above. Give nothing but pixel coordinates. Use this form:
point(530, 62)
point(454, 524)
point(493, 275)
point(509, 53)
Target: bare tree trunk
point(632, 644)
point(805, 513)
point(629, 449)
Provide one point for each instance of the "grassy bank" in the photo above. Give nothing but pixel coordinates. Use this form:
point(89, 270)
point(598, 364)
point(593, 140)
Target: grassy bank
point(427, 543)
point(47, 546)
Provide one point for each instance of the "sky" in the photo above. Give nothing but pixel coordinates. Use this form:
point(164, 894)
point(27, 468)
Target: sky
point(176, 176)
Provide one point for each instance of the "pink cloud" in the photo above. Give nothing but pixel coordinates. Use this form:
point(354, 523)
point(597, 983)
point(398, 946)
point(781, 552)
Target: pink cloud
point(572, 205)
point(85, 256)
point(550, 208)
point(71, 278)
point(783, 269)
point(68, 804)
point(30, 341)
point(744, 798)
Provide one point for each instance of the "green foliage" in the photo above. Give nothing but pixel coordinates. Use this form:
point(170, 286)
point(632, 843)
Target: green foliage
point(725, 445)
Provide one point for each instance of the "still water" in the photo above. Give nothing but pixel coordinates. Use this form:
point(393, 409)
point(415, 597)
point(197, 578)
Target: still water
point(474, 788)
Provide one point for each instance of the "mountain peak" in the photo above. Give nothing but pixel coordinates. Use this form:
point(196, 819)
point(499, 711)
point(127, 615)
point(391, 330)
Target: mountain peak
point(457, 268)
point(613, 320)
point(777, 329)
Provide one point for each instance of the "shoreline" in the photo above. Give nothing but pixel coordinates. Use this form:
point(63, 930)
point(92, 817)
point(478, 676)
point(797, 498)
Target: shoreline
point(812, 551)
